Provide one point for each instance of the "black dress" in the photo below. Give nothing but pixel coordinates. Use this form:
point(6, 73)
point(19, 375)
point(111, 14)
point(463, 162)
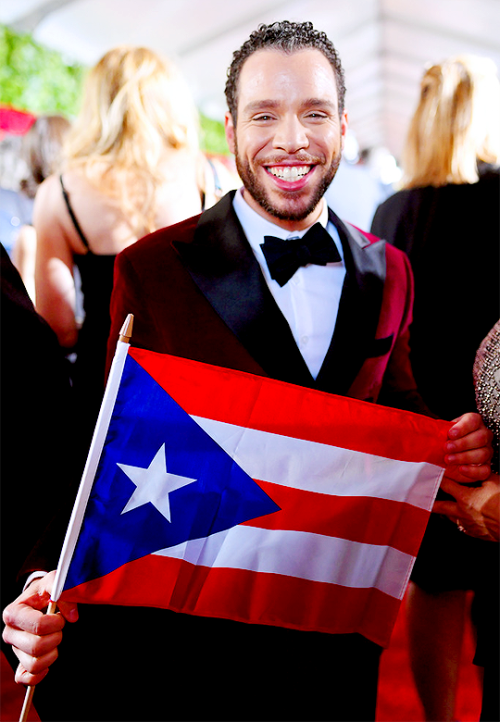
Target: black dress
point(96, 273)
point(452, 237)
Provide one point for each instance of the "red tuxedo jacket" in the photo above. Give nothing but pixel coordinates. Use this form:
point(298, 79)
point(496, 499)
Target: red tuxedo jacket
point(197, 291)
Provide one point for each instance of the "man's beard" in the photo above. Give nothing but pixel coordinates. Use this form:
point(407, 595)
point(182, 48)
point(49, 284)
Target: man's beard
point(260, 195)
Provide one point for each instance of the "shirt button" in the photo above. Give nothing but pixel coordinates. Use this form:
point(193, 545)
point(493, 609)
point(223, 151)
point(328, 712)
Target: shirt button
point(304, 340)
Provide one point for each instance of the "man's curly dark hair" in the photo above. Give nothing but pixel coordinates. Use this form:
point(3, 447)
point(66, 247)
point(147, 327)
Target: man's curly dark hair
point(287, 37)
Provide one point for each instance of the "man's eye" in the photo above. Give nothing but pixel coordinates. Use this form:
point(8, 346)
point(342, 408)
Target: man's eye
point(263, 117)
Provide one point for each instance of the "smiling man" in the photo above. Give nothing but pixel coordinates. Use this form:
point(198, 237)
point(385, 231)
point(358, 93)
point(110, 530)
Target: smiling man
point(286, 130)
point(271, 282)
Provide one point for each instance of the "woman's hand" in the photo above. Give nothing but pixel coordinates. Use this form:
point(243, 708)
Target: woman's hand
point(475, 510)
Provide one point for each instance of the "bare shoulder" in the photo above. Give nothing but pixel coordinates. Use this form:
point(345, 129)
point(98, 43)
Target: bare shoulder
point(48, 211)
point(48, 195)
point(106, 228)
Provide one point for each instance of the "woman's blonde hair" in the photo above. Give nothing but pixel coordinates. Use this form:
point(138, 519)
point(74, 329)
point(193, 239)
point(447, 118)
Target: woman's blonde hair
point(135, 109)
point(456, 124)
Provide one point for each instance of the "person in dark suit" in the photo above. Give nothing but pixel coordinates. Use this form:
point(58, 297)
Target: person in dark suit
point(36, 439)
point(333, 315)
point(36, 418)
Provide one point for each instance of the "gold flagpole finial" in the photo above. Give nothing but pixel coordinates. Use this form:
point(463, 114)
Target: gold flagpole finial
point(126, 330)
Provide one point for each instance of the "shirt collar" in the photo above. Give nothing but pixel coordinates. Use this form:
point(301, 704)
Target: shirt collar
point(255, 227)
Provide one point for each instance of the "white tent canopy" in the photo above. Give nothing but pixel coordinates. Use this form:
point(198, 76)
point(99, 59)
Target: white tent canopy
point(384, 44)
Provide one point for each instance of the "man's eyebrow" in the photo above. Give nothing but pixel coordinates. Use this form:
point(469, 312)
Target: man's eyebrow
point(269, 104)
point(257, 105)
point(320, 102)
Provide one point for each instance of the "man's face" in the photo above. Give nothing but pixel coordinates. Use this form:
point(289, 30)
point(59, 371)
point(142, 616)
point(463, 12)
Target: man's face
point(289, 135)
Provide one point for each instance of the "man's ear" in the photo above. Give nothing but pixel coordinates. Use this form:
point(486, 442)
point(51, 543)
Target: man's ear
point(344, 123)
point(230, 131)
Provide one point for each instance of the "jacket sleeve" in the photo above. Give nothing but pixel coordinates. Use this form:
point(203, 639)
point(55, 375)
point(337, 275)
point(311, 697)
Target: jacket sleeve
point(399, 388)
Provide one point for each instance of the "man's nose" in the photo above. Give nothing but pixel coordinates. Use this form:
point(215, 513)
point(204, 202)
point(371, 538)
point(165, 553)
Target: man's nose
point(290, 135)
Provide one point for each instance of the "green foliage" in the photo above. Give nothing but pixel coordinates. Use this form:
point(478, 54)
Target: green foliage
point(35, 78)
point(213, 136)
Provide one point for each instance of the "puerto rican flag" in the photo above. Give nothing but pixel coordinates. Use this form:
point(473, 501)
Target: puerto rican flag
point(223, 494)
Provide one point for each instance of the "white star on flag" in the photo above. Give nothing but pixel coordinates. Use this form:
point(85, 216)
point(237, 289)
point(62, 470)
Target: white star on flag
point(154, 484)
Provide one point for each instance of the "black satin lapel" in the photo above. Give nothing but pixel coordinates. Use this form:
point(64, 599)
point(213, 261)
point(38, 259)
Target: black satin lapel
point(221, 263)
point(359, 309)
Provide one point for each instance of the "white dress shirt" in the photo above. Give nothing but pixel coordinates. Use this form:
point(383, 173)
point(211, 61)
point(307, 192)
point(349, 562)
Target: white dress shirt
point(310, 299)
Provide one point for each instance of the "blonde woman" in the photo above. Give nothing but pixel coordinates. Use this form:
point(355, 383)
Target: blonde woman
point(132, 165)
point(446, 218)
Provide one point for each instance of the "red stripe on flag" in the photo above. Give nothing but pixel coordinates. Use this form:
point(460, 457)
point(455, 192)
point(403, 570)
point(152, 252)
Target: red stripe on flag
point(360, 518)
point(244, 596)
point(261, 403)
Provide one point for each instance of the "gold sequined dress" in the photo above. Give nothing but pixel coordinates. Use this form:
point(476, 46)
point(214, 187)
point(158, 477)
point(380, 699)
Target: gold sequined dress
point(486, 374)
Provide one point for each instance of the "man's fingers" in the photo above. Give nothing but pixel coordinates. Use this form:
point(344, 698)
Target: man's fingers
point(468, 450)
point(33, 634)
point(468, 473)
point(69, 611)
point(447, 508)
point(451, 487)
point(466, 424)
point(31, 644)
point(477, 455)
point(36, 666)
point(24, 677)
point(468, 432)
point(21, 616)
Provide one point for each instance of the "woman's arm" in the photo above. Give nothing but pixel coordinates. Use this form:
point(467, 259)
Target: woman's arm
point(23, 258)
point(54, 282)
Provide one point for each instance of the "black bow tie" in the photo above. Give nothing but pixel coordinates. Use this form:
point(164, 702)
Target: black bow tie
point(285, 257)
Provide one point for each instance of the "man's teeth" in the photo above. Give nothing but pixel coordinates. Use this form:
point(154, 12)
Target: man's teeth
point(290, 172)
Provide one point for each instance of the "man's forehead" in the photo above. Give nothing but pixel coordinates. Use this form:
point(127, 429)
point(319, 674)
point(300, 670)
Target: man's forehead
point(266, 58)
point(274, 66)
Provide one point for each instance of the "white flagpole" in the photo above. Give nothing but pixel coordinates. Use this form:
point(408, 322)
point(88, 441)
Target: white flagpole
point(87, 480)
point(100, 432)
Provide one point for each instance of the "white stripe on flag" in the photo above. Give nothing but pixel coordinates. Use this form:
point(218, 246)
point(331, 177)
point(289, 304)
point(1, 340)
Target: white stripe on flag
point(300, 554)
point(321, 468)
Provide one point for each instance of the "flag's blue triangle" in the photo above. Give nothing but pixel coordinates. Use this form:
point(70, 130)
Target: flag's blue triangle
point(145, 417)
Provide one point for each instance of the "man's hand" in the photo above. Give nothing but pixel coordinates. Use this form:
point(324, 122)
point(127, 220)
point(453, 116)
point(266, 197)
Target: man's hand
point(35, 636)
point(476, 510)
point(468, 450)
